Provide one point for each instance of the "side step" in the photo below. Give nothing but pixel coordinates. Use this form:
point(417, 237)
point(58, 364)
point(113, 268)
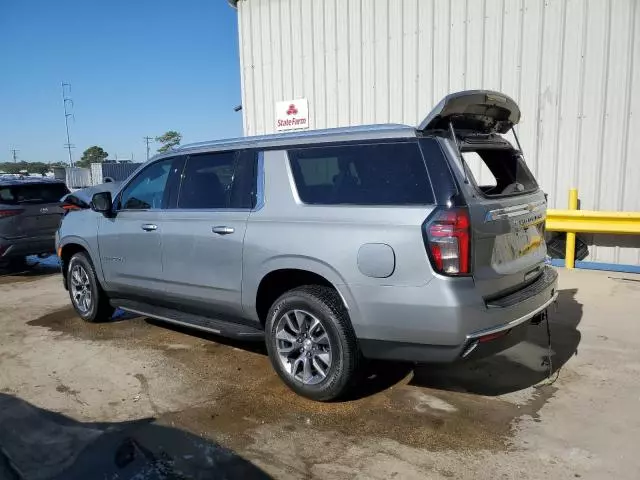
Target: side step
point(219, 327)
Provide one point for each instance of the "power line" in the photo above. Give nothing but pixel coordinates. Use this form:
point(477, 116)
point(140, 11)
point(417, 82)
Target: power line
point(147, 140)
point(14, 154)
point(67, 101)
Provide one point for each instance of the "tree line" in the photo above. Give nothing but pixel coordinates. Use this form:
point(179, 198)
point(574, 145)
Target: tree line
point(32, 168)
point(94, 154)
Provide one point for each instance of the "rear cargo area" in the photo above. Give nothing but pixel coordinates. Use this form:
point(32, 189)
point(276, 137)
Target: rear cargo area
point(507, 211)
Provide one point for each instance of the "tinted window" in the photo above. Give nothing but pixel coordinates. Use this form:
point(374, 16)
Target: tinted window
point(375, 174)
point(498, 172)
point(218, 180)
point(35, 193)
point(147, 190)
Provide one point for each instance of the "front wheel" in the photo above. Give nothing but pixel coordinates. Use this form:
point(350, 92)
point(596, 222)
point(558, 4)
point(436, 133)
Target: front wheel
point(89, 300)
point(311, 342)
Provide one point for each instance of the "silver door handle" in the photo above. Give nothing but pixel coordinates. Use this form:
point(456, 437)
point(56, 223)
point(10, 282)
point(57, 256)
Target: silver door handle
point(149, 227)
point(222, 230)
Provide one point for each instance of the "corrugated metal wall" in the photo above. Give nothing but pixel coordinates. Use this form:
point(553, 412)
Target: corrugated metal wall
point(572, 65)
point(116, 172)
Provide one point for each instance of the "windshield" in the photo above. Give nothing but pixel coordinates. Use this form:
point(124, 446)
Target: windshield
point(35, 193)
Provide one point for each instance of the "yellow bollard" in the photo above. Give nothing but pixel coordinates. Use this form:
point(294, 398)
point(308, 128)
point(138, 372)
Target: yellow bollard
point(570, 252)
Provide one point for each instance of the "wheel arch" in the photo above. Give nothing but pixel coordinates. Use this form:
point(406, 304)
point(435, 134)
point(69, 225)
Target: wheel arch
point(285, 273)
point(69, 248)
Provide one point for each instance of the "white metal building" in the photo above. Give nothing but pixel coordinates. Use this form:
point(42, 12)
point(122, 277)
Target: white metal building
point(573, 66)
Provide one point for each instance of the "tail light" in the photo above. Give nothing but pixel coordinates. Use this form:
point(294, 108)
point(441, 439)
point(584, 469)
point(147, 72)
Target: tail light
point(68, 207)
point(448, 241)
point(10, 213)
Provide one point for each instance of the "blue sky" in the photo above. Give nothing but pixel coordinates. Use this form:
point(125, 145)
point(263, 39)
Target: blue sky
point(137, 68)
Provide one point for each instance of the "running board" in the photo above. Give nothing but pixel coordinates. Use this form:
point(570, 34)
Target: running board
point(219, 327)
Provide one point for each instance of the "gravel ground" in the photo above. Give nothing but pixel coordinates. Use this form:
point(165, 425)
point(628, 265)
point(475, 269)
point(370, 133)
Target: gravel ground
point(134, 398)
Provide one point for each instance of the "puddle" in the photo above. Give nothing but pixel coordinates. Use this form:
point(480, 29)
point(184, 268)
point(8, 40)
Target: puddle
point(251, 395)
point(469, 422)
point(67, 322)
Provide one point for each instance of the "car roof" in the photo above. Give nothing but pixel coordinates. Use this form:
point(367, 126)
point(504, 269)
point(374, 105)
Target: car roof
point(7, 180)
point(308, 137)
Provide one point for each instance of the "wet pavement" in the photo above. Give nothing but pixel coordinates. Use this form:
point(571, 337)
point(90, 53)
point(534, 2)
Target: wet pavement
point(394, 407)
point(403, 421)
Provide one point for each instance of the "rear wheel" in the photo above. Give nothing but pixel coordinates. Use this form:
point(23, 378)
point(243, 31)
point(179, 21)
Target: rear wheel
point(311, 342)
point(89, 300)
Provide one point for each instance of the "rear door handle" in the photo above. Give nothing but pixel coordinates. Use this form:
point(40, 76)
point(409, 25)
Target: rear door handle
point(149, 227)
point(222, 230)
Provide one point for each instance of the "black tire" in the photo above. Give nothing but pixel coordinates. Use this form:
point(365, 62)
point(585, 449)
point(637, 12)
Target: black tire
point(100, 310)
point(325, 304)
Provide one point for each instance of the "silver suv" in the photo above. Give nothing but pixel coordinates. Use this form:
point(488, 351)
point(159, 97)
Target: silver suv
point(30, 212)
point(390, 242)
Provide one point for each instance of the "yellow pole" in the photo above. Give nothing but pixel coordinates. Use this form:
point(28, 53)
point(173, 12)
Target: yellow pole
point(570, 252)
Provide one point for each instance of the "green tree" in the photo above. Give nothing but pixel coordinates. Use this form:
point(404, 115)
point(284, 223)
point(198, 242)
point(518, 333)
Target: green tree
point(39, 168)
point(91, 155)
point(169, 140)
point(34, 168)
point(14, 167)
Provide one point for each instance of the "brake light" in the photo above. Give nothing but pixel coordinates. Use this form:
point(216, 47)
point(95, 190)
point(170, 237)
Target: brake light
point(448, 238)
point(10, 213)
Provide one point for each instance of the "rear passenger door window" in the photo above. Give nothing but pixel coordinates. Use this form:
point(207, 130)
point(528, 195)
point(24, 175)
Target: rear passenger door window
point(218, 180)
point(365, 174)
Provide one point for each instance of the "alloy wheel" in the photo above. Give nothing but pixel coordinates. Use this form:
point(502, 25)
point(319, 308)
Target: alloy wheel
point(303, 346)
point(81, 289)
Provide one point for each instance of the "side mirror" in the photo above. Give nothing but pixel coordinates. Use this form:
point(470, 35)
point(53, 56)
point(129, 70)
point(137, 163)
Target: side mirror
point(101, 202)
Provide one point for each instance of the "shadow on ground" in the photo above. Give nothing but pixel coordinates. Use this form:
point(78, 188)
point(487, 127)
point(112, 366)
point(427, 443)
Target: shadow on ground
point(28, 269)
point(37, 443)
point(519, 367)
point(515, 369)
point(249, 346)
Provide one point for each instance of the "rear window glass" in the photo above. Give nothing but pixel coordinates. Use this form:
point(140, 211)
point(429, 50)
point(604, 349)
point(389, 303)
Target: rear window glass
point(32, 193)
point(372, 174)
point(499, 172)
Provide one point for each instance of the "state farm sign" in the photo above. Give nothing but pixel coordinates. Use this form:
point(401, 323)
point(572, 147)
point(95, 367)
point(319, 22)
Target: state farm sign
point(292, 115)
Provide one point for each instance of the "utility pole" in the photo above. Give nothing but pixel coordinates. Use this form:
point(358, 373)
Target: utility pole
point(14, 153)
point(65, 102)
point(147, 140)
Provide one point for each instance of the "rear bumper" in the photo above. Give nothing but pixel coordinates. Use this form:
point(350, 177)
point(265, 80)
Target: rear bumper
point(455, 324)
point(472, 350)
point(26, 246)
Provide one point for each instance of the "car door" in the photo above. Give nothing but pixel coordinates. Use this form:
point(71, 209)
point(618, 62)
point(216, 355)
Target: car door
point(130, 240)
point(203, 235)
